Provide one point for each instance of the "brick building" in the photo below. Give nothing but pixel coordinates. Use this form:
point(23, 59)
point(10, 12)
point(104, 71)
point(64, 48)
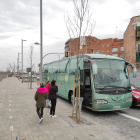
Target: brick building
point(127, 48)
point(91, 44)
point(132, 42)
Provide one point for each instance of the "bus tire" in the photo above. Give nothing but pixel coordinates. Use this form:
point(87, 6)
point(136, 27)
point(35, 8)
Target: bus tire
point(70, 96)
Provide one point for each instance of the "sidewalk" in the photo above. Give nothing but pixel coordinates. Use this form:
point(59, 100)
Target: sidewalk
point(18, 117)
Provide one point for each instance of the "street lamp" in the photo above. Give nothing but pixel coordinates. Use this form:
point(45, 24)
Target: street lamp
point(41, 40)
point(41, 61)
point(22, 57)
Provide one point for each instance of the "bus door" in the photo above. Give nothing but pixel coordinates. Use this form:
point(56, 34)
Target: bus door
point(87, 84)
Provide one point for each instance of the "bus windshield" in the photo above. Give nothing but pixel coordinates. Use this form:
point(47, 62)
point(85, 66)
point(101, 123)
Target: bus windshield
point(110, 74)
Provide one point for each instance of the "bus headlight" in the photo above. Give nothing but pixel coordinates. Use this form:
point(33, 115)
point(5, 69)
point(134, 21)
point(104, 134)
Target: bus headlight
point(100, 102)
point(129, 100)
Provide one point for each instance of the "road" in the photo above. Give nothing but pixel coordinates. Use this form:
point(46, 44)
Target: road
point(124, 126)
point(134, 112)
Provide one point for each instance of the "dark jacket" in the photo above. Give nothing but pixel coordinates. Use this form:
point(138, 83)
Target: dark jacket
point(40, 97)
point(82, 91)
point(52, 92)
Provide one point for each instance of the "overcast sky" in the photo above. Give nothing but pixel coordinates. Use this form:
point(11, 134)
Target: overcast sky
point(20, 19)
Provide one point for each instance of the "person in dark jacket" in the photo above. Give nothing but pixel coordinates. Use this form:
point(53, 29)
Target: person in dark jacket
point(82, 91)
point(40, 98)
point(53, 96)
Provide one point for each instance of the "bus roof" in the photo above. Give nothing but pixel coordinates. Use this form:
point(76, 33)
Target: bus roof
point(97, 56)
point(90, 56)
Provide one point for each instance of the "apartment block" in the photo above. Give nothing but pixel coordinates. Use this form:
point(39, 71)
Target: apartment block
point(89, 44)
point(127, 48)
point(132, 42)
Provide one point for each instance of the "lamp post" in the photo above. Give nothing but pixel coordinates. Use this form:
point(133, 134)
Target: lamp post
point(22, 56)
point(41, 40)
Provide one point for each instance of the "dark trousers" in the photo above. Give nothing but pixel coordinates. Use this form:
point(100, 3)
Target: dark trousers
point(53, 104)
point(39, 112)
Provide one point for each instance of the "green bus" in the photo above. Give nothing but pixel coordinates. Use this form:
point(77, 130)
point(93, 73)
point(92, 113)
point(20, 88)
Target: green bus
point(105, 78)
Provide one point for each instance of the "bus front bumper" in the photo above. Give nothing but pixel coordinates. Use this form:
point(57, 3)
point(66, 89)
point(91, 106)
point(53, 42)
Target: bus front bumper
point(111, 106)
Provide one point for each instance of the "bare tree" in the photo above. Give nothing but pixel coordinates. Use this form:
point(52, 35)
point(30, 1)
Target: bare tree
point(77, 25)
point(31, 60)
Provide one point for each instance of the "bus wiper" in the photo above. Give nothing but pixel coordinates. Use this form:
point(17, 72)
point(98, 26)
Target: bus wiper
point(128, 88)
point(106, 87)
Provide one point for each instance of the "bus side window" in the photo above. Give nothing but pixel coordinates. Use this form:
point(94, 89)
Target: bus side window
point(68, 67)
point(45, 69)
point(73, 66)
point(50, 68)
point(63, 66)
point(55, 67)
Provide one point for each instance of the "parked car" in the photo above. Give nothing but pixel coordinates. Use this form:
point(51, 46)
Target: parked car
point(26, 76)
point(34, 76)
point(37, 77)
point(135, 95)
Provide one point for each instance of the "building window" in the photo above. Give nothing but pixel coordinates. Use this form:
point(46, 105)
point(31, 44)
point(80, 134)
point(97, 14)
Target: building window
point(122, 48)
point(107, 51)
point(107, 45)
point(91, 51)
point(139, 47)
point(122, 55)
point(102, 46)
point(114, 54)
point(114, 49)
point(97, 51)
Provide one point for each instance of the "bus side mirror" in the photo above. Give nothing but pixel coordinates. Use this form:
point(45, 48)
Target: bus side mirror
point(134, 72)
point(133, 68)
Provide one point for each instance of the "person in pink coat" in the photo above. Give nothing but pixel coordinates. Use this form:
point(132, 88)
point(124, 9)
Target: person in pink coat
point(47, 100)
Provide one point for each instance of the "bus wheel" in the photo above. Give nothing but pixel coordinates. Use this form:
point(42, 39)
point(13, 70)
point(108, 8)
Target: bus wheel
point(71, 99)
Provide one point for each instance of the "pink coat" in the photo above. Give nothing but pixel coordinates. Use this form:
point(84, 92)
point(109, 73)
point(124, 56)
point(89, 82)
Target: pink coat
point(47, 87)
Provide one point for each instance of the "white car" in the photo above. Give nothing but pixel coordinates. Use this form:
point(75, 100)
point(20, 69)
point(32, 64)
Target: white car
point(26, 76)
point(37, 77)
